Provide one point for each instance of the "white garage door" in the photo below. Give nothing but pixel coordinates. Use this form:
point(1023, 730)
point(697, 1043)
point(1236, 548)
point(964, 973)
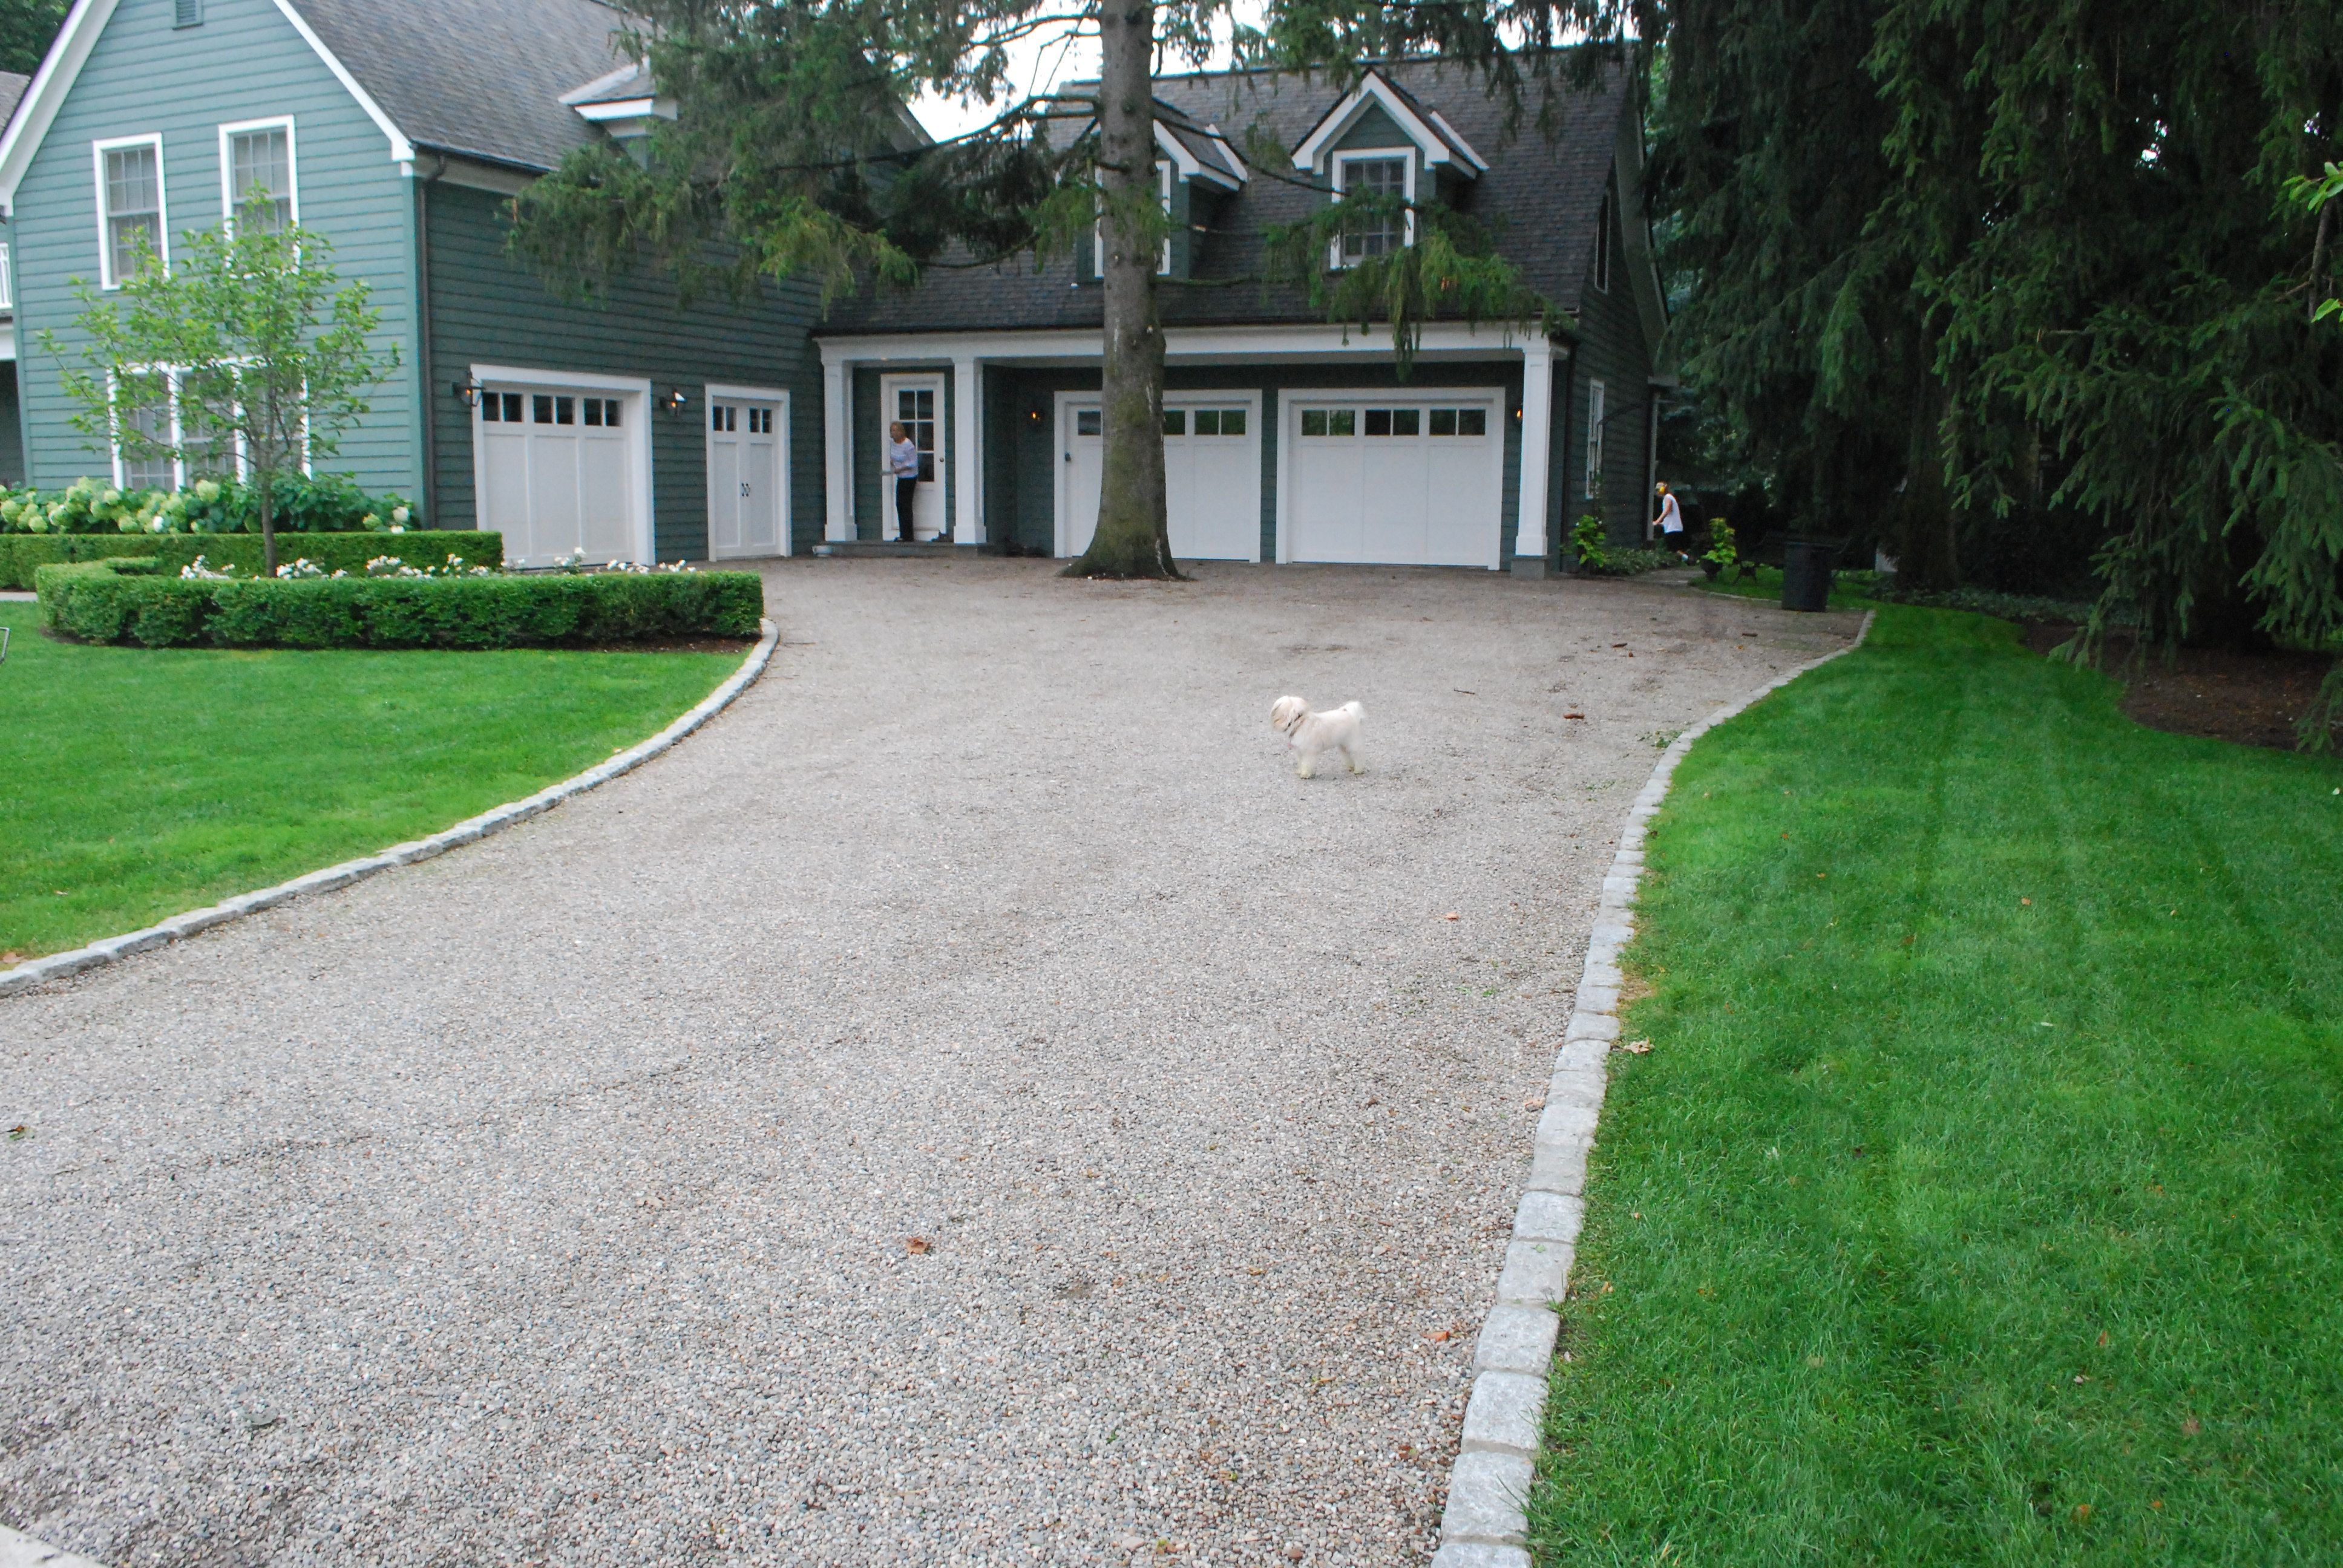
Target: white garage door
point(1394, 480)
point(557, 473)
point(1212, 473)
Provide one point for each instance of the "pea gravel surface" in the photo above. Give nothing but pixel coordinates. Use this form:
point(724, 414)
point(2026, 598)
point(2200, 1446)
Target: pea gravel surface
point(970, 1104)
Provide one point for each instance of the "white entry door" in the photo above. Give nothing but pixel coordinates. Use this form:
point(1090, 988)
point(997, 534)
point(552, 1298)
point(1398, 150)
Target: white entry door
point(558, 471)
point(917, 402)
point(1394, 479)
point(748, 503)
point(1212, 473)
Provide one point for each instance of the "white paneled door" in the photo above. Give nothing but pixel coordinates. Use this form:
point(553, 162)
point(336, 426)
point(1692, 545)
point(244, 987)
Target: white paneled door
point(748, 510)
point(557, 473)
point(917, 402)
point(1370, 476)
point(1212, 473)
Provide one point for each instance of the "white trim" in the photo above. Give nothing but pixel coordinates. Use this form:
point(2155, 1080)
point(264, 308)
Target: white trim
point(836, 429)
point(7, 275)
point(1404, 157)
point(1085, 345)
point(1290, 400)
point(1537, 450)
point(1064, 406)
point(7, 343)
point(227, 133)
point(46, 94)
point(780, 397)
point(642, 108)
point(586, 94)
point(968, 455)
point(402, 151)
point(637, 387)
point(97, 151)
point(1457, 137)
point(1310, 156)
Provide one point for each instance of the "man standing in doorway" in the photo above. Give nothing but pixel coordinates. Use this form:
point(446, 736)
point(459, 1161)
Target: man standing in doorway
point(903, 463)
point(1669, 524)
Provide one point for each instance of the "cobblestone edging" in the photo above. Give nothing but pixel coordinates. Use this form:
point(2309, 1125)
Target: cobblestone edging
point(35, 971)
point(1484, 1526)
point(23, 1551)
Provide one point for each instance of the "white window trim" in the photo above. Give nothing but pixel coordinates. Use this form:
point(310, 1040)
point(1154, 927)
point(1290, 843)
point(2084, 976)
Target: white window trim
point(716, 392)
point(1348, 156)
point(171, 373)
point(635, 389)
point(227, 133)
point(97, 151)
point(1098, 227)
point(7, 275)
point(1597, 395)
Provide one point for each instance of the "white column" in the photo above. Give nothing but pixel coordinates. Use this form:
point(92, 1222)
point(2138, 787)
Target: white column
point(968, 451)
point(838, 430)
point(1538, 442)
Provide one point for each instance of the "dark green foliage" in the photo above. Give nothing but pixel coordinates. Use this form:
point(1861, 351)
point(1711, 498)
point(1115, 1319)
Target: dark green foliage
point(27, 28)
point(22, 553)
point(99, 602)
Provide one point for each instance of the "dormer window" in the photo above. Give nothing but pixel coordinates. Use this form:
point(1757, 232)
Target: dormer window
point(1163, 195)
point(1387, 177)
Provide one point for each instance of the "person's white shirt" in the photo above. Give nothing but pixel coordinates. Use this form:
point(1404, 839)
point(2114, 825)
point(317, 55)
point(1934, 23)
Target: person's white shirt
point(903, 458)
point(1671, 516)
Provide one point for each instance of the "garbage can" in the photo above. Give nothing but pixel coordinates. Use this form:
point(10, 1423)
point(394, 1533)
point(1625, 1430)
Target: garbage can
point(1806, 574)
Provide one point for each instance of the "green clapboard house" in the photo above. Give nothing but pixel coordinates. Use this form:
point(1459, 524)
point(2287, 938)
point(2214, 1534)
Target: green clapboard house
point(634, 427)
point(401, 129)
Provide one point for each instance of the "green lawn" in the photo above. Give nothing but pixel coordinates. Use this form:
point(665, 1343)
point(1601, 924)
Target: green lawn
point(134, 784)
point(1981, 1200)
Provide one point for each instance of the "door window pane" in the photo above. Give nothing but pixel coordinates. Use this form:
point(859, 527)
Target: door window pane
point(1175, 421)
point(260, 178)
point(1208, 421)
point(1444, 421)
point(540, 408)
point(565, 410)
point(1379, 421)
point(1086, 421)
point(134, 207)
point(1404, 421)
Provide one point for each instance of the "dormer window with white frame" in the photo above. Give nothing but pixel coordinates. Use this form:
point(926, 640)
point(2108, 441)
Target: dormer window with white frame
point(1387, 176)
point(260, 182)
point(1163, 195)
point(131, 204)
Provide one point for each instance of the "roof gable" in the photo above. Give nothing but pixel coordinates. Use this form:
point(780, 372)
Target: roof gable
point(1375, 93)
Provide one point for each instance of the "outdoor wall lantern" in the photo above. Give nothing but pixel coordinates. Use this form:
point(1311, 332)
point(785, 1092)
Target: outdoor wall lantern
point(676, 401)
point(469, 389)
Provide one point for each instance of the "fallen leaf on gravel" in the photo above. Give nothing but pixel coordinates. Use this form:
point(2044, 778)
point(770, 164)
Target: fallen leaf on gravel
point(19, 1132)
point(1573, 716)
point(1451, 915)
point(1533, 1104)
point(1637, 1047)
point(1441, 1337)
point(1256, 1270)
point(918, 1246)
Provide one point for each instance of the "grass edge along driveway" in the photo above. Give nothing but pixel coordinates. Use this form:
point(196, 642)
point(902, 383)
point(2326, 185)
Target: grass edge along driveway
point(1981, 1199)
point(137, 783)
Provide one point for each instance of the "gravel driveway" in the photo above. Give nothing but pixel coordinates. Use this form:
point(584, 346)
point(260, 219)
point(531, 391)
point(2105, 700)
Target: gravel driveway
point(970, 1104)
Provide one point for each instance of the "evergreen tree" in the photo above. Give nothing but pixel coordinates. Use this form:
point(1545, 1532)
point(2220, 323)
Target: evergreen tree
point(27, 29)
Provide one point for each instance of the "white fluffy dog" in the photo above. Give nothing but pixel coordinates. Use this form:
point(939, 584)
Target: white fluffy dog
point(1312, 735)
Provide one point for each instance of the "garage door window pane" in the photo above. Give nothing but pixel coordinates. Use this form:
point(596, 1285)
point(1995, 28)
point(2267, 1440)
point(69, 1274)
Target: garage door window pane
point(1379, 421)
point(1444, 421)
point(1208, 421)
point(540, 408)
point(1175, 421)
point(1232, 421)
point(1404, 421)
point(565, 410)
point(1472, 421)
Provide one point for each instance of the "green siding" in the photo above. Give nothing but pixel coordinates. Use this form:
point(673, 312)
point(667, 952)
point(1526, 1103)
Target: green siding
point(489, 308)
point(144, 76)
point(1611, 350)
point(1373, 128)
point(12, 434)
point(1021, 485)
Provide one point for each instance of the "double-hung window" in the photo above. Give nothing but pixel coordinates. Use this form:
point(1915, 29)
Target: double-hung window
point(130, 208)
point(258, 182)
point(166, 440)
point(1595, 396)
point(1387, 180)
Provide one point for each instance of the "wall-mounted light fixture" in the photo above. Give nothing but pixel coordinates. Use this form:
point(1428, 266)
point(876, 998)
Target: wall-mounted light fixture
point(676, 401)
point(469, 389)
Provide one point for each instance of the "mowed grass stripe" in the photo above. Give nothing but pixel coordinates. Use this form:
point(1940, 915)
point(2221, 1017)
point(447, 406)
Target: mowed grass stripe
point(1982, 1197)
point(135, 783)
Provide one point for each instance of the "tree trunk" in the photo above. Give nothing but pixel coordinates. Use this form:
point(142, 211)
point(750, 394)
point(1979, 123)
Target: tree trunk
point(268, 523)
point(1133, 538)
point(1926, 555)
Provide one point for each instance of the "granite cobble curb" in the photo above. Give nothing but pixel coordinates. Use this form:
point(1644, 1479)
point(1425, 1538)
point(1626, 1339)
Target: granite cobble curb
point(1485, 1525)
point(21, 1550)
point(57, 966)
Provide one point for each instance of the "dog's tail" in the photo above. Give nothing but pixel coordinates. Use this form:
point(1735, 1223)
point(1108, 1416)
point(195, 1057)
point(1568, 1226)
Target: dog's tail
point(1355, 710)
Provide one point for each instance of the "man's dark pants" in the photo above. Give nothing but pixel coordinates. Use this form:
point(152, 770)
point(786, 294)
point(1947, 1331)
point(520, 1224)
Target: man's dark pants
point(905, 484)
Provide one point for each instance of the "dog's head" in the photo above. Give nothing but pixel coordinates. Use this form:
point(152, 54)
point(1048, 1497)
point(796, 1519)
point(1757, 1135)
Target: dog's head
point(1286, 714)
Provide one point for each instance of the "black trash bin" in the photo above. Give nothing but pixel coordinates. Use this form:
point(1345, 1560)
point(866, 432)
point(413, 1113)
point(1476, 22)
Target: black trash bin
point(1807, 573)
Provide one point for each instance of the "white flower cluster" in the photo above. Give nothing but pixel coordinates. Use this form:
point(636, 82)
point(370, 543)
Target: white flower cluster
point(392, 567)
point(302, 569)
point(201, 569)
point(637, 570)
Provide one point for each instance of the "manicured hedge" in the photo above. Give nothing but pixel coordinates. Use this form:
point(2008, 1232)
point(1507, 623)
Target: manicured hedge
point(22, 555)
point(116, 601)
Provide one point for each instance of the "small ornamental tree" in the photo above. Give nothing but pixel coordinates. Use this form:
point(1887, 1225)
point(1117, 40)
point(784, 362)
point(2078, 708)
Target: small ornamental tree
point(247, 355)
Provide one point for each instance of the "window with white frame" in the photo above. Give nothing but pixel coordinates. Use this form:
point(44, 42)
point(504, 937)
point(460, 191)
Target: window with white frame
point(1594, 438)
point(130, 208)
point(1603, 244)
point(176, 418)
point(1387, 176)
point(7, 277)
point(258, 182)
point(1163, 197)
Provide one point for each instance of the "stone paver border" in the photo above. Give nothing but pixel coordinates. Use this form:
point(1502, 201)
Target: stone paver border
point(1485, 1525)
point(19, 1550)
point(35, 971)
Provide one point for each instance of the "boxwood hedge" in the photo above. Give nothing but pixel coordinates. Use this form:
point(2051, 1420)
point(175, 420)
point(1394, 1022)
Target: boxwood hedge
point(133, 600)
point(22, 555)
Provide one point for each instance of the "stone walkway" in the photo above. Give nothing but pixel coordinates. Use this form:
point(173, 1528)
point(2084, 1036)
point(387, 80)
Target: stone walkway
point(970, 1104)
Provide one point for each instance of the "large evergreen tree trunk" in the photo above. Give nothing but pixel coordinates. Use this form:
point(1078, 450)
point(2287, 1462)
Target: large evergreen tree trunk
point(1133, 538)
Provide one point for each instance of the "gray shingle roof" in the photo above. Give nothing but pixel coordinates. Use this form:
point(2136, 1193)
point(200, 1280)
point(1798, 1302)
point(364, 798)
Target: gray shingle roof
point(483, 77)
point(1539, 197)
point(12, 92)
